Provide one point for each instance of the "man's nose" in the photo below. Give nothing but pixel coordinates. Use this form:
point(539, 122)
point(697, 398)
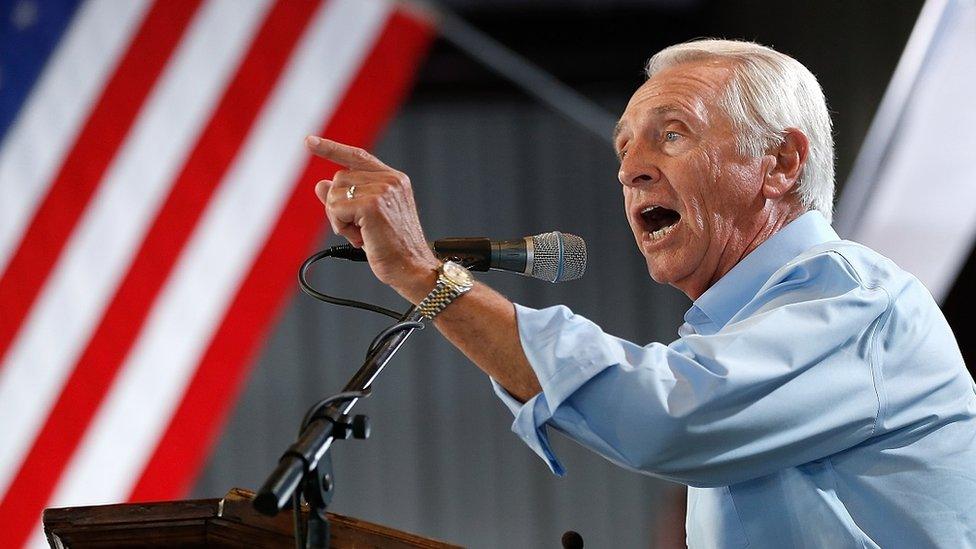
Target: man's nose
point(637, 169)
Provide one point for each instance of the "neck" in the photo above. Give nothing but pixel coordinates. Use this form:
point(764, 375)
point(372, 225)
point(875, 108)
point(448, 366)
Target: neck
point(739, 245)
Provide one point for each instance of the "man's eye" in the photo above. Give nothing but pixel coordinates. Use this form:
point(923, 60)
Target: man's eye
point(671, 136)
point(622, 154)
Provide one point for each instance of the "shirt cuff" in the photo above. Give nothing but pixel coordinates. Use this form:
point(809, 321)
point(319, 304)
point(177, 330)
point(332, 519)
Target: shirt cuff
point(530, 425)
point(565, 351)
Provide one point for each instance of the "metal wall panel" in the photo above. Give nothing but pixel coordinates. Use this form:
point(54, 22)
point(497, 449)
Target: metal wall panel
point(442, 461)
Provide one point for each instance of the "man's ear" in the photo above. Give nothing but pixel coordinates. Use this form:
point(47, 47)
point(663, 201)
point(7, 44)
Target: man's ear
point(787, 163)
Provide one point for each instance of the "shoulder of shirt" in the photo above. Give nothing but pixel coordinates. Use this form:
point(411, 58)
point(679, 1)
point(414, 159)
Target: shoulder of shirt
point(852, 261)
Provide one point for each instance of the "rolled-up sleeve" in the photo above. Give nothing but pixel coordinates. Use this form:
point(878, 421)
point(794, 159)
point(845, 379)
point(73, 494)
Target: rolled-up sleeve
point(788, 380)
point(566, 351)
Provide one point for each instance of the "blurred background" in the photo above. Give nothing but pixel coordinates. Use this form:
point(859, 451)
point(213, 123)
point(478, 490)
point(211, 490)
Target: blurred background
point(486, 159)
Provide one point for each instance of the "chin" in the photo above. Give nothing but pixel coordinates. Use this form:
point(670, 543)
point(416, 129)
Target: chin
point(659, 274)
point(672, 273)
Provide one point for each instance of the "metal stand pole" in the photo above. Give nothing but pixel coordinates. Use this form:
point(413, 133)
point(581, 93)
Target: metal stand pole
point(307, 459)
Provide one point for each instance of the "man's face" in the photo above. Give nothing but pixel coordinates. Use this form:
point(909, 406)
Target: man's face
point(691, 198)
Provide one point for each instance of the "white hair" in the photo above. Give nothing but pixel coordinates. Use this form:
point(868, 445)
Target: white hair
point(768, 93)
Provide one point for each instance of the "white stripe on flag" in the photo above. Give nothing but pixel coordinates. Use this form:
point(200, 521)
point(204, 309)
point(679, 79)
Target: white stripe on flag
point(110, 231)
point(235, 226)
point(920, 211)
point(53, 114)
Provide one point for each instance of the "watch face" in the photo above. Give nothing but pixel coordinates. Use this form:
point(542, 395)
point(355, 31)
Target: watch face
point(456, 274)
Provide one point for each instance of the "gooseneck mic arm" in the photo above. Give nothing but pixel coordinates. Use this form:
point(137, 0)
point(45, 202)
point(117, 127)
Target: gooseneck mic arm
point(305, 469)
point(317, 436)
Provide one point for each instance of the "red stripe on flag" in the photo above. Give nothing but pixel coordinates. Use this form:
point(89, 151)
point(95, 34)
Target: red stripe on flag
point(91, 153)
point(122, 321)
point(369, 102)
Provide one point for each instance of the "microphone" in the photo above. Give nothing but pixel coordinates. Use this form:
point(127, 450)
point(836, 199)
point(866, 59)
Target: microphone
point(553, 257)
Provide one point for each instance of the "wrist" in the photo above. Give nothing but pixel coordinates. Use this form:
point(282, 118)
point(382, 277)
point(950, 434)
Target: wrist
point(453, 281)
point(418, 282)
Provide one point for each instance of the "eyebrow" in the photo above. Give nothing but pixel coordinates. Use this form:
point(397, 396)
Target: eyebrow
point(662, 109)
point(617, 129)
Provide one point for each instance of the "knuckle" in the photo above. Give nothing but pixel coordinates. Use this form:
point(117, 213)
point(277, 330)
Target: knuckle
point(388, 192)
point(336, 200)
point(330, 199)
point(401, 179)
point(345, 229)
point(374, 201)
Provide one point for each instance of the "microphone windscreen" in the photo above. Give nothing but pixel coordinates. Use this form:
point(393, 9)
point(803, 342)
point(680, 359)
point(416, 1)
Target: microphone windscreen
point(558, 257)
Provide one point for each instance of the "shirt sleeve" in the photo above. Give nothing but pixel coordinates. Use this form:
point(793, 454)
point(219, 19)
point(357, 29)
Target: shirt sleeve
point(790, 379)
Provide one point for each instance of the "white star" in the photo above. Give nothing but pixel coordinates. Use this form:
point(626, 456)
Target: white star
point(24, 14)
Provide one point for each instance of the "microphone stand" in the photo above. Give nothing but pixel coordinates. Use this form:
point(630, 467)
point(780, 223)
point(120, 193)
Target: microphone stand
point(307, 461)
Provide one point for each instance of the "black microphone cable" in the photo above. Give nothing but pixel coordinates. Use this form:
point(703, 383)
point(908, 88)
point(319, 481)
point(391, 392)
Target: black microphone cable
point(308, 289)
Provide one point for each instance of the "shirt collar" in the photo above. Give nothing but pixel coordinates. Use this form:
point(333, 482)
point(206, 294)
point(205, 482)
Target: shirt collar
point(727, 296)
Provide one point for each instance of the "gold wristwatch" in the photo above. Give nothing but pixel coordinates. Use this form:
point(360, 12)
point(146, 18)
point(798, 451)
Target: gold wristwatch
point(453, 280)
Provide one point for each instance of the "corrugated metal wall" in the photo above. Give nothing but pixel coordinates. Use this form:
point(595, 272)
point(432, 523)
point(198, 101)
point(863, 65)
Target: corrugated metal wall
point(442, 461)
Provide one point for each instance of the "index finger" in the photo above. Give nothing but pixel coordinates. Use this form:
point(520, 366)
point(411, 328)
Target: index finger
point(345, 155)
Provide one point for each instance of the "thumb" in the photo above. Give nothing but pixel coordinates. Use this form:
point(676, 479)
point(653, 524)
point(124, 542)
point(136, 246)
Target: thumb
point(322, 189)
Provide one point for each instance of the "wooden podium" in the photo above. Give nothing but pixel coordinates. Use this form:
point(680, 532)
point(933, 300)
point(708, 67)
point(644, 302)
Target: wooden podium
point(226, 522)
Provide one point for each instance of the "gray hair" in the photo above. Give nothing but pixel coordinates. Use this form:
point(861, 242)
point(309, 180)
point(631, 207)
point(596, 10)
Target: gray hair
point(769, 92)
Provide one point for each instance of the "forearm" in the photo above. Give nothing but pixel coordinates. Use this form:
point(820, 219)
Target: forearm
point(482, 324)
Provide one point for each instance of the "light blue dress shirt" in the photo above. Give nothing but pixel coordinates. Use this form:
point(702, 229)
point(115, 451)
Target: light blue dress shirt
point(816, 397)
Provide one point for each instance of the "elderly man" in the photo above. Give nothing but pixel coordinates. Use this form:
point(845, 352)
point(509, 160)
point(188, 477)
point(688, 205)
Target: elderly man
point(816, 396)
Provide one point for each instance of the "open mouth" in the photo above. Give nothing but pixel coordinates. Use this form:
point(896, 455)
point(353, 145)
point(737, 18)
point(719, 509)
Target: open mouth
point(659, 221)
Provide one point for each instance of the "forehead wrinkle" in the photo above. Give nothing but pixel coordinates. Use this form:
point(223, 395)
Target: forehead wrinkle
point(688, 89)
point(685, 99)
point(669, 108)
point(695, 87)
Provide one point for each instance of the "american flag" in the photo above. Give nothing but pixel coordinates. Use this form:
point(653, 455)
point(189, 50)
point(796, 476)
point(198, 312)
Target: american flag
point(155, 201)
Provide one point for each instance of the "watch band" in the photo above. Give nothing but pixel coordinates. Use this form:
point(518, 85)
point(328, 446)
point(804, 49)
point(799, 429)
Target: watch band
point(453, 280)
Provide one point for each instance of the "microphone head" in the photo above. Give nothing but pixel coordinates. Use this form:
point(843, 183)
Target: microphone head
point(558, 257)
